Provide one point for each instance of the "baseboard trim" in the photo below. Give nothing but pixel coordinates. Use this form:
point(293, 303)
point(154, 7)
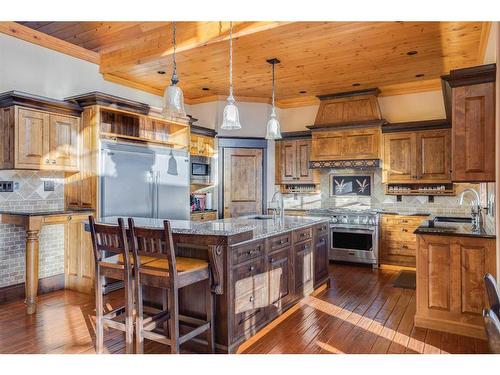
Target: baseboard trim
point(46, 285)
point(456, 328)
point(394, 267)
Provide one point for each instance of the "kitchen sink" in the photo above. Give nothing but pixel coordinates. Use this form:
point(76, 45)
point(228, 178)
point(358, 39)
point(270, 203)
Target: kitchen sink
point(452, 219)
point(261, 217)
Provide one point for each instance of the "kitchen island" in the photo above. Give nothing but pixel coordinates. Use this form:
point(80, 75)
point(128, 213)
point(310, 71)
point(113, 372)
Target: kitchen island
point(260, 268)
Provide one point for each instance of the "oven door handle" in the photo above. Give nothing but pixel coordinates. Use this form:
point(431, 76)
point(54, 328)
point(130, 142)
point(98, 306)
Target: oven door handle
point(352, 230)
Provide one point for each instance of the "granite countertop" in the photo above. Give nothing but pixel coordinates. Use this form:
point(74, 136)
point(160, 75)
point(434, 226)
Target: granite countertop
point(439, 228)
point(261, 228)
point(46, 213)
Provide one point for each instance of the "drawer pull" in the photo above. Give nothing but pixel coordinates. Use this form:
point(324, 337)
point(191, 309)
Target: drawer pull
point(250, 252)
point(251, 268)
point(405, 221)
point(271, 260)
point(404, 230)
point(305, 247)
point(53, 161)
point(404, 247)
point(251, 299)
point(46, 161)
point(280, 242)
point(303, 234)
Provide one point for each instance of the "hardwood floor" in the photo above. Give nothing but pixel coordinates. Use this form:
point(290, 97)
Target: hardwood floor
point(360, 313)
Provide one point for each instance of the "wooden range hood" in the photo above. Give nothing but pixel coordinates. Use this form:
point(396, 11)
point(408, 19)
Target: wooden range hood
point(347, 130)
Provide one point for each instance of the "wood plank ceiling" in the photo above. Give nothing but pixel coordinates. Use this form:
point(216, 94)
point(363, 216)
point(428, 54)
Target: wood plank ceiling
point(316, 57)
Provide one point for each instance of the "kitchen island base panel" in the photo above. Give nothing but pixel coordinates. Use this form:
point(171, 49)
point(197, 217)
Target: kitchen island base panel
point(457, 328)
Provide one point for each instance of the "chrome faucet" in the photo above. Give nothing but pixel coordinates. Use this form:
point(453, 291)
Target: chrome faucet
point(278, 198)
point(475, 213)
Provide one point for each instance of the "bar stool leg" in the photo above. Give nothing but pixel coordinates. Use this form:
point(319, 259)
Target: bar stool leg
point(99, 328)
point(209, 304)
point(129, 317)
point(139, 324)
point(174, 320)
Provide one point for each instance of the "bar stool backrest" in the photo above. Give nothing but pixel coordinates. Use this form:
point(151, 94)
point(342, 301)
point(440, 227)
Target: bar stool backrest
point(109, 240)
point(155, 243)
point(493, 293)
point(492, 325)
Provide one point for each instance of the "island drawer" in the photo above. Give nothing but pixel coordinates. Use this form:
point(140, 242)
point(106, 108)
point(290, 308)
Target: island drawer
point(246, 252)
point(279, 242)
point(302, 235)
point(321, 229)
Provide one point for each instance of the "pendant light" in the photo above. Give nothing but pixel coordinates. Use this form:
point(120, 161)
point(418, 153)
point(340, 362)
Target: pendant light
point(231, 115)
point(173, 98)
point(273, 125)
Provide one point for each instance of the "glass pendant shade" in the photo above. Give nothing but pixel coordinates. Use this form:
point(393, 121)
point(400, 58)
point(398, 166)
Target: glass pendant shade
point(173, 101)
point(273, 127)
point(231, 115)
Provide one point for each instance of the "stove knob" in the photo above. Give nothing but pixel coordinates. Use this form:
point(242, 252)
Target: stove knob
point(344, 219)
point(334, 219)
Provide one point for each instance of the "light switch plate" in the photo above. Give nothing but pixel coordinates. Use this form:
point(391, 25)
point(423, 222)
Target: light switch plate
point(6, 186)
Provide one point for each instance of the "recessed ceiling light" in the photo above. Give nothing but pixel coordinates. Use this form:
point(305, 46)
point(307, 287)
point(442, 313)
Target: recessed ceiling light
point(205, 89)
point(160, 72)
point(302, 92)
point(419, 75)
point(411, 53)
point(356, 84)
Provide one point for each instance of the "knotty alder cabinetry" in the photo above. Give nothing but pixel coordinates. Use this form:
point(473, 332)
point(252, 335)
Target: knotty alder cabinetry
point(417, 156)
point(292, 162)
point(450, 288)
point(35, 139)
point(398, 241)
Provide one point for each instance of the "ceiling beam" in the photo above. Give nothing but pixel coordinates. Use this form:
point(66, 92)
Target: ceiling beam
point(29, 35)
point(156, 45)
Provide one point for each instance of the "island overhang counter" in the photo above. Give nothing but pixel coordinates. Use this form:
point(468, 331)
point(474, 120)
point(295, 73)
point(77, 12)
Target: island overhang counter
point(260, 268)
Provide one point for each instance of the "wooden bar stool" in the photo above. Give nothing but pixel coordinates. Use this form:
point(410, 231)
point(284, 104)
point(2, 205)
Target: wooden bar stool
point(170, 273)
point(112, 259)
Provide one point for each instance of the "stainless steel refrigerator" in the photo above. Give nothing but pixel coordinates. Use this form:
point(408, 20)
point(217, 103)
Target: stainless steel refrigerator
point(144, 181)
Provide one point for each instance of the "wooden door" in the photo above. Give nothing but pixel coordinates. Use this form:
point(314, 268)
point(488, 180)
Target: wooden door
point(320, 258)
point(304, 174)
point(63, 142)
point(474, 133)
point(78, 257)
point(243, 170)
point(327, 145)
point(280, 280)
point(361, 144)
point(304, 268)
point(434, 156)
point(32, 139)
point(399, 157)
point(288, 161)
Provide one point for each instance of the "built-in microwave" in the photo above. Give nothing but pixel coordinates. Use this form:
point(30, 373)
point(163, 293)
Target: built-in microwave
point(200, 170)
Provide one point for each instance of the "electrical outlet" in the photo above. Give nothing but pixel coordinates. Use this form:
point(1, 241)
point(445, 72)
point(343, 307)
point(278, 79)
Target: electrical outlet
point(48, 185)
point(6, 186)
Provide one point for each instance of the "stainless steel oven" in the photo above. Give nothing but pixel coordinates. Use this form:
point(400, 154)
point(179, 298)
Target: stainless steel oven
point(200, 170)
point(354, 243)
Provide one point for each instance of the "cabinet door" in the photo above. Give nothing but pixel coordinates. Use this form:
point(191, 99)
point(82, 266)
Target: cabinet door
point(288, 161)
point(434, 156)
point(320, 259)
point(304, 174)
point(280, 282)
point(327, 145)
point(361, 144)
point(399, 157)
point(303, 268)
point(79, 256)
point(32, 139)
point(474, 133)
point(63, 142)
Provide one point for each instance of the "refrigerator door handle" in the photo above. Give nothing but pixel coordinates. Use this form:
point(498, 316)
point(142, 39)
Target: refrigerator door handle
point(157, 194)
point(150, 198)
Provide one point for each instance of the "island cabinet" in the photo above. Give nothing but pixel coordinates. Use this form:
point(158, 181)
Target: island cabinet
point(450, 290)
point(268, 276)
point(417, 156)
point(37, 139)
point(470, 101)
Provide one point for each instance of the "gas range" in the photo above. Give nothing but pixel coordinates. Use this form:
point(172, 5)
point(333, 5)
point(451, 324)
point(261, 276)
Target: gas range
point(354, 234)
point(348, 216)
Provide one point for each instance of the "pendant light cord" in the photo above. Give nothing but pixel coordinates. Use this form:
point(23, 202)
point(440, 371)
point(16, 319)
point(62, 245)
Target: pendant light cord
point(175, 79)
point(230, 58)
point(273, 85)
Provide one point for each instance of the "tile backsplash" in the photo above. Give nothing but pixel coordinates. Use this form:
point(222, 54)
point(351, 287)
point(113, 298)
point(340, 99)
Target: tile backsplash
point(29, 195)
point(378, 198)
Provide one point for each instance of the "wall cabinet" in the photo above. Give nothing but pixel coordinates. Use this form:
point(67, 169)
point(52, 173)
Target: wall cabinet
point(417, 157)
point(201, 145)
point(292, 162)
point(450, 289)
point(347, 144)
point(40, 140)
point(398, 241)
